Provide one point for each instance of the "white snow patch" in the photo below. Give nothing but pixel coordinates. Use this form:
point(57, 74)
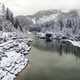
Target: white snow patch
point(75, 43)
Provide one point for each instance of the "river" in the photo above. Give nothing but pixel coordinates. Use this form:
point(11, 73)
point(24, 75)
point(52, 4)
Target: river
point(50, 62)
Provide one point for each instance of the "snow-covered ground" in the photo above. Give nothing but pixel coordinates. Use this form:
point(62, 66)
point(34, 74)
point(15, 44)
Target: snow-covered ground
point(75, 43)
point(13, 55)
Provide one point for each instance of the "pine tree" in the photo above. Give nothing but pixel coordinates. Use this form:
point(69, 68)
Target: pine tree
point(1, 28)
point(3, 8)
point(61, 25)
point(12, 18)
point(7, 14)
point(17, 24)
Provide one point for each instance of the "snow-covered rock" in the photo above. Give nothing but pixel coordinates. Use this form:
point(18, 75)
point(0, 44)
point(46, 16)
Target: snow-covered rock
point(74, 43)
point(13, 57)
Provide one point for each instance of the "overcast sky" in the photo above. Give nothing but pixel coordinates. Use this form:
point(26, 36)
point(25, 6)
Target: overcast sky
point(26, 7)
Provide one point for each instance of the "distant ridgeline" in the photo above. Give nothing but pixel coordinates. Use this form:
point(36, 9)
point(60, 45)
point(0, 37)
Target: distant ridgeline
point(60, 23)
point(8, 22)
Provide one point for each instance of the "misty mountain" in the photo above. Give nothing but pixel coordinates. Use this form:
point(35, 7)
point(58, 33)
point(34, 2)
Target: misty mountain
point(56, 21)
point(28, 22)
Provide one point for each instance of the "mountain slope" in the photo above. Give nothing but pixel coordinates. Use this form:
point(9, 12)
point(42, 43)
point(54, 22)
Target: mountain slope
point(56, 21)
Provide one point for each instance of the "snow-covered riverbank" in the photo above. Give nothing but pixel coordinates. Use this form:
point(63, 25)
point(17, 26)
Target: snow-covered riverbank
point(74, 43)
point(13, 57)
point(61, 38)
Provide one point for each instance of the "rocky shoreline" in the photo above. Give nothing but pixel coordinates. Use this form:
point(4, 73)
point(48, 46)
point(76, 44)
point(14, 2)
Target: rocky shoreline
point(13, 57)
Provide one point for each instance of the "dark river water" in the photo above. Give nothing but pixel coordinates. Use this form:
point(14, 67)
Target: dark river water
point(53, 61)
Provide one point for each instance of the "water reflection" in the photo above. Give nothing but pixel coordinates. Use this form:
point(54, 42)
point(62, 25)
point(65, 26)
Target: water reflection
point(57, 46)
point(53, 61)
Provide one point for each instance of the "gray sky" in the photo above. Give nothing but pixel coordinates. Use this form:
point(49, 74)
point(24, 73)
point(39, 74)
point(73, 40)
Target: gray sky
point(25, 7)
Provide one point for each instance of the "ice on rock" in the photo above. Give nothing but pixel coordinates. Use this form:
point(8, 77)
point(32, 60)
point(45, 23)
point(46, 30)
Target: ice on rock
point(13, 57)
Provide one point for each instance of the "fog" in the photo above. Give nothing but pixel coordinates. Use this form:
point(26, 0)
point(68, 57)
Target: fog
point(26, 7)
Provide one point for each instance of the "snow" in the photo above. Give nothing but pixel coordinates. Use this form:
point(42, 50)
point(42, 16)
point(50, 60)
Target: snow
point(41, 34)
point(13, 57)
point(47, 18)
point(33, 20)
point(75, 43)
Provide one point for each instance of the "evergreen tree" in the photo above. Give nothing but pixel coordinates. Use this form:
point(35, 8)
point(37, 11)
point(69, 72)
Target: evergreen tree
point(61, 24)
point(17, 24)
point(1, 28)
point(12, 18)
point(7, 14)
point(3, 8)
